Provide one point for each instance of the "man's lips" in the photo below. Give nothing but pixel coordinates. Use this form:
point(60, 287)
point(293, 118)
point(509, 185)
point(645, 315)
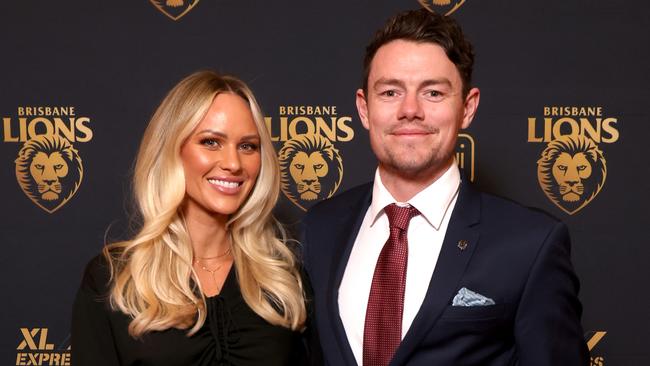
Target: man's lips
point(410, 132)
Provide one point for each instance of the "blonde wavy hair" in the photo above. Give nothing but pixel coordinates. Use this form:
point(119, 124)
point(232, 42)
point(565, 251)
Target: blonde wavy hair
point(152, 279)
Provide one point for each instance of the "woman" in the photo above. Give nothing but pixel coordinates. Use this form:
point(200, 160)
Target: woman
point(206, 281)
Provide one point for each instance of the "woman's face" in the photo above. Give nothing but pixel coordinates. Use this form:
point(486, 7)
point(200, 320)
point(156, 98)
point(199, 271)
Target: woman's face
point(221, 158)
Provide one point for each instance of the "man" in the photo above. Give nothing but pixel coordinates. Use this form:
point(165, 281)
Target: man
point(417, 267)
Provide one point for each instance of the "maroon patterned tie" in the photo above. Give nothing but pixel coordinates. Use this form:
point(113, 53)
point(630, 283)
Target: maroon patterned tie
point(382, 332)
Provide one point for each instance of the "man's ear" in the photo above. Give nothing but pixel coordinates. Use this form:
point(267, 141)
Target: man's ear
point(470, 106)
point(362, 108)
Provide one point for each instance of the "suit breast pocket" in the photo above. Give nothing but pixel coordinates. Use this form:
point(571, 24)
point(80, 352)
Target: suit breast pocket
point(472, 328)
point(473, 313)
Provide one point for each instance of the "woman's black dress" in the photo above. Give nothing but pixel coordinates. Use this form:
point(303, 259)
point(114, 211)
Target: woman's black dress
point(232, 334)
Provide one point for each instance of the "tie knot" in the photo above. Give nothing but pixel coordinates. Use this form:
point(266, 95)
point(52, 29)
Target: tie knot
point(399, 216)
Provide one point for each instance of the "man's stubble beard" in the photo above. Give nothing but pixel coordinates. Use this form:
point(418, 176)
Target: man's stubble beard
point(407, 164)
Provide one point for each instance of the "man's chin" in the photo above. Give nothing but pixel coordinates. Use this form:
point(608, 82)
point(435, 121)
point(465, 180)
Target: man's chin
point(423, 167)
point(417, 166)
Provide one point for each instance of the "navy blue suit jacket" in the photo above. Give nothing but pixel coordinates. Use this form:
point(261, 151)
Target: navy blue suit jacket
point(517, 256)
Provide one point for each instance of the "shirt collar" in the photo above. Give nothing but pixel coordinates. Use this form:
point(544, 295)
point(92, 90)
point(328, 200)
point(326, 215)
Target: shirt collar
point(432, 202)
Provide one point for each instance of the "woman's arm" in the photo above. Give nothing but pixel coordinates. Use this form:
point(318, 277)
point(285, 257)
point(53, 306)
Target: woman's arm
point(92, 334)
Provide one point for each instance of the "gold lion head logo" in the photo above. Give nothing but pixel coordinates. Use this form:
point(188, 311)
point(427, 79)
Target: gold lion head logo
point(49, 170)
point(441, 6)
point(312, 169)
point(174, 9)
point(571, 172)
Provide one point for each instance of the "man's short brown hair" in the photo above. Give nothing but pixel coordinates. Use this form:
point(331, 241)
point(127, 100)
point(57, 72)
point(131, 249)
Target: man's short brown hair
point(423, 26)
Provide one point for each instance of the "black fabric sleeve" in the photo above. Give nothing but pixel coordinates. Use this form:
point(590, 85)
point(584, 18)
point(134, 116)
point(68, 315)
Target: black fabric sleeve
point(310, 334)
point(547, 325)
point(92, 334)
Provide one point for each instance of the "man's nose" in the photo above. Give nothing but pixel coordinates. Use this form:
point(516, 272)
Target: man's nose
point(411, 107)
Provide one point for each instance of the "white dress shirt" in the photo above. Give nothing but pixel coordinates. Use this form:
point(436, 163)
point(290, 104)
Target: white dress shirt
point(425, 235)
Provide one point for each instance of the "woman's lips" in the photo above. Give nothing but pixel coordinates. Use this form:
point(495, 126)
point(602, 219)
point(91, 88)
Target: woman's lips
point(227, 186)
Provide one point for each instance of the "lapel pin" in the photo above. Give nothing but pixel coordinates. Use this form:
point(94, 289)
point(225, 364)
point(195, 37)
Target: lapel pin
point(462, 244)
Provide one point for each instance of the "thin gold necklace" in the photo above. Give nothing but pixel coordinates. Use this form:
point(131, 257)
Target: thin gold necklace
point(197, 261)
point(211, 271)
point(216, 256)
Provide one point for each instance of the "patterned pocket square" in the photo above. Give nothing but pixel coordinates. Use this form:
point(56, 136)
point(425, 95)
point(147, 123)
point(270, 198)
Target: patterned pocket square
point(466, 297)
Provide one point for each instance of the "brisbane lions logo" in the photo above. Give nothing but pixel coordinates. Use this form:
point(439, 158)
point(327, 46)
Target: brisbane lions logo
point(571, 172)
point(174, 9)
point(49, 171)
point(311, 168)
point(441, 6)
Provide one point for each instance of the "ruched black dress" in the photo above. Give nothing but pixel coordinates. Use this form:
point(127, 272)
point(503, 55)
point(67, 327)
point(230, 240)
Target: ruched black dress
point(232, 335)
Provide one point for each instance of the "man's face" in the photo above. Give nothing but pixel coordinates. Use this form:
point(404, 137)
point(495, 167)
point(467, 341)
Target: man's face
point(414, 108)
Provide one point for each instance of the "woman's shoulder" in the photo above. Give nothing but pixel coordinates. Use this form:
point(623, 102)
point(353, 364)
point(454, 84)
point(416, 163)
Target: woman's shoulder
point(97, 275)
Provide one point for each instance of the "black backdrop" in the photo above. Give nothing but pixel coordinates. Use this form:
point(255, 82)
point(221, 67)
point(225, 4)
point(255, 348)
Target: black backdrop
point(113, 61)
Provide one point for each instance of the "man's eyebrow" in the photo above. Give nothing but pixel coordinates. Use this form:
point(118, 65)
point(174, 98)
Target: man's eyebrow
point(400, 83)
point(385, 81)
point(441, 81)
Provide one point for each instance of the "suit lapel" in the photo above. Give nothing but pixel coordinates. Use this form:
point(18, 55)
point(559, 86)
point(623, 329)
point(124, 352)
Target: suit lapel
point(449, 269)
point(345, 233)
